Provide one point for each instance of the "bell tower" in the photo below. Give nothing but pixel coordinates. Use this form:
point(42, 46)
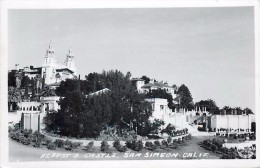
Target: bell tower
point(70, 61)
point(49, 56)
point(49, 66)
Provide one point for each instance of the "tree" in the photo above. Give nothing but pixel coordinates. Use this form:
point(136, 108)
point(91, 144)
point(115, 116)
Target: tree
point(185, 98)
point(227, 110)
point(248, 111)
point(14, 96)
point(238, 110)
point(151, 127)
point(33, 89)
point(146, 79)
point(67, 86)
point(88, 116)
point(12, 78)
point(69, 118)
point(47, 91)
point(25, 84)
point(209, 104)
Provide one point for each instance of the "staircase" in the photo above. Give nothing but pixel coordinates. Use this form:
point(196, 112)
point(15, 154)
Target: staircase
point(193, 129)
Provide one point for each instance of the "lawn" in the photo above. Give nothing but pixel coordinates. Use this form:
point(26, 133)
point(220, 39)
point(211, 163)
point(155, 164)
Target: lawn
point(189, 150)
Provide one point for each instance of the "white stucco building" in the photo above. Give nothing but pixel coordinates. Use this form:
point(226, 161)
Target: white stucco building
point(161, 111)
point(153, 85)
point(55, 72)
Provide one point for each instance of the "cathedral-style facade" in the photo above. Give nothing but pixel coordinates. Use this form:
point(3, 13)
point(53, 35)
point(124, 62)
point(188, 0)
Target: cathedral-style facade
point(51, 72)
point(54, 72)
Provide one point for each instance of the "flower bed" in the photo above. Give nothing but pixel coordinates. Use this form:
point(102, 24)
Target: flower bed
point(37, 139)
point(217, 146)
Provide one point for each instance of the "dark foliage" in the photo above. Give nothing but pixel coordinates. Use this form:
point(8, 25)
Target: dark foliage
point(185, 97)
point(104, 146)
point(209, 104)
point(87, 116)
point(134, 145)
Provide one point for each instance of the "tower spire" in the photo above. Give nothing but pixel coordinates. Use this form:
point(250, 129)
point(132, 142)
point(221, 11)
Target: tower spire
point(70, 62)
point(50, 44)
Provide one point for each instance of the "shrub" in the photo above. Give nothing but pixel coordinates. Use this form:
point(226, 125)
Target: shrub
point(28, 141)
point(252, 137)
point(116, 143)
point(148, 144)
point(169, 130)
point(12, 135)
point(224, 150)
point(51, 146)
point(189, 136)
point(46, 142)
point(169, 139)
point(104, 146)
point(157, 143)
point(119, 147)
point(134, 145)
point(68, 145)
point(59, 143)
point(38, 143)
point(214, 148)
point(75, 145)
point(22, 139)
point(26, 132)
point(164, 143)
point(174, 141)
point(139, 146)
point(128, 144)
point(19, 137)
point(89, 147)
point(122, 148)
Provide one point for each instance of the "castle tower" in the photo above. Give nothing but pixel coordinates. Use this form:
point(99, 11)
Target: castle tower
point(49, 56)
point(70, 61)
point(49, 66)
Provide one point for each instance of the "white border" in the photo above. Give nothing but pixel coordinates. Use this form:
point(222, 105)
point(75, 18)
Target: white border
point(48, 4)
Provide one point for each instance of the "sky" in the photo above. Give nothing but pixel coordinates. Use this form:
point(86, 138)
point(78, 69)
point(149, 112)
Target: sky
point(210, 50)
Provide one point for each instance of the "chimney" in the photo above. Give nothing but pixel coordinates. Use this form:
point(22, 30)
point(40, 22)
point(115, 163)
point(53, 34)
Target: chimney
point(17, 67)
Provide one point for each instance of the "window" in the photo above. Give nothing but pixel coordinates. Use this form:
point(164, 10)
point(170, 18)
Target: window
point(152, 107)
point(161, 107)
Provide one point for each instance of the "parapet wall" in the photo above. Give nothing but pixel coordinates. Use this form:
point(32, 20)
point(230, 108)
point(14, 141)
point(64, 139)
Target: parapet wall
point(231, 121)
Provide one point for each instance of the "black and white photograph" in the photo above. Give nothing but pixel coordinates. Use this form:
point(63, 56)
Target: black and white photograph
point(131, 84)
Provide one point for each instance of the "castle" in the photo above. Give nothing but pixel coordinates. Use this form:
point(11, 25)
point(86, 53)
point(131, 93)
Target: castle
point(51, 71)
point(54, 72)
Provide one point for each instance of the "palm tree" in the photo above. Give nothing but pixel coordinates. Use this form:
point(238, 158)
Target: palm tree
point(248, 111)
point(14, 96)
point(239, 111)
point(227, 109)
